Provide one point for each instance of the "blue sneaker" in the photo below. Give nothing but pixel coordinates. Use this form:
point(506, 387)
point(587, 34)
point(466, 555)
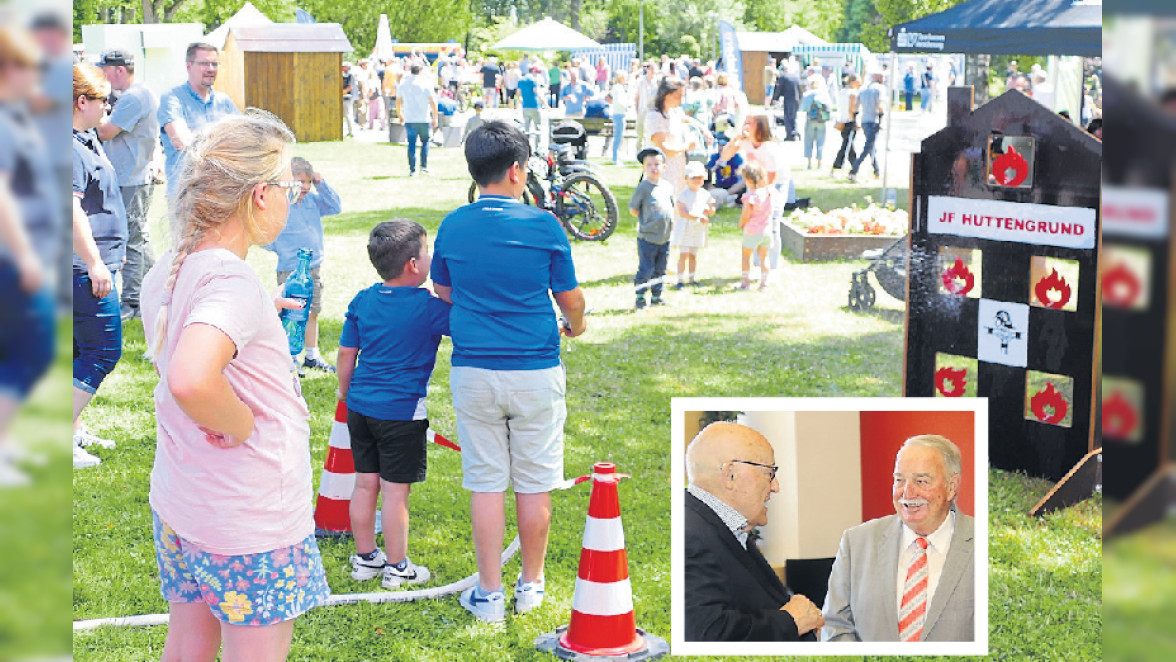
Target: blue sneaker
point(490, 607)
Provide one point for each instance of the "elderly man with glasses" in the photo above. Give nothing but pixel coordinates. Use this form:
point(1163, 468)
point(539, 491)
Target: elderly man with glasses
point(187, 107)
point(732, 594)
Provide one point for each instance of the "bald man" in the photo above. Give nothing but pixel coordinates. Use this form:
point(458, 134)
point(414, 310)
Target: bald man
point(732, 594)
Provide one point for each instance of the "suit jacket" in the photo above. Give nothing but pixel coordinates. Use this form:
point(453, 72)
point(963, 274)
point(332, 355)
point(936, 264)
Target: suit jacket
point(732, 594)
point(862, 603)
point(788, 88)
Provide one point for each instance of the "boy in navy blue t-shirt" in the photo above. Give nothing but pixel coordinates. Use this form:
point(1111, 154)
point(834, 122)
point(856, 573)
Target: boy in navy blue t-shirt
point(393, 328)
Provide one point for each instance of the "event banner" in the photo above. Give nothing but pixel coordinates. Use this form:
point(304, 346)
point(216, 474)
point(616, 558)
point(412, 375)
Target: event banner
point(732, 56)
point(1022, 222)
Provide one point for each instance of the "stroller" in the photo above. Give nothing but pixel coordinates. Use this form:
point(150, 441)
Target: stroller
point(890, 268)
point(571, 132)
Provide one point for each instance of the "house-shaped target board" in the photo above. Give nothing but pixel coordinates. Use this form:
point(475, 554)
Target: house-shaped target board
point(1138, 279)
point(1003, 289)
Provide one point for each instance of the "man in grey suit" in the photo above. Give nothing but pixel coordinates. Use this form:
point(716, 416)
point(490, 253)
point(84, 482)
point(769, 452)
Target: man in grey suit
point(908, 576)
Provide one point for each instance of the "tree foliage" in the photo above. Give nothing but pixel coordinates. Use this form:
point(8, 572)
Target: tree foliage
point(893, 12)
point(821, 17)
point(438, 20)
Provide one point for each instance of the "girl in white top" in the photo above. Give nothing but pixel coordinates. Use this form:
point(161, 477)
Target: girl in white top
point(757, 145)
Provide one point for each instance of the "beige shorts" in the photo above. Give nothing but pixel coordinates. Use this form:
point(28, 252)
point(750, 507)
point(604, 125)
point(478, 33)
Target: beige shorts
point(510, 426)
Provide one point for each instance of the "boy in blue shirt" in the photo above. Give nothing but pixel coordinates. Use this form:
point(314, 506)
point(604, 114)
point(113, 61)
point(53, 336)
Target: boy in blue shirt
point(304, 229)
point(396, 327)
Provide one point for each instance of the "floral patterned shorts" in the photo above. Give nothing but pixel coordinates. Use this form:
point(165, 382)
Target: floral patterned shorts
point(252, 589)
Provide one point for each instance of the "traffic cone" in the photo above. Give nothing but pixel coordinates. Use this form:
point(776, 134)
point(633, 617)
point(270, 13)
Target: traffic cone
point(332, 515)
point(603, 623)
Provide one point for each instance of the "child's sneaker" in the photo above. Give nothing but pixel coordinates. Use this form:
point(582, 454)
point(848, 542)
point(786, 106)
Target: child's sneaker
point(394, 575)
point(83, 458)
point(528, 595)
point(363, 569)
point(84, 437)
point(318, 363)
point(657, 301)
point(490, 607)
point(640, 303)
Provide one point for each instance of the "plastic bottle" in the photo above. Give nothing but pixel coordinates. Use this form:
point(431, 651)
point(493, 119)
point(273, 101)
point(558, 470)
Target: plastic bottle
point(891, 198)
point(300, 287)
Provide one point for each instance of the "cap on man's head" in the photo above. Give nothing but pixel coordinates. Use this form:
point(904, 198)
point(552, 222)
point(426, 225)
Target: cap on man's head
point(115, 57)
point(649, 151)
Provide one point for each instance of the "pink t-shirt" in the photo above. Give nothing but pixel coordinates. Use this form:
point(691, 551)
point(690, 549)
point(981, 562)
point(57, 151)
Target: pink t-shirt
point(255, 497)
point(759, 204)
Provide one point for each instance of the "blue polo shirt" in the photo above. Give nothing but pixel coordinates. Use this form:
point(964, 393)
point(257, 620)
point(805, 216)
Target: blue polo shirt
point(397, 331)
point(304, 227)
point(574, 96)
point(182, 103)
point(26, 161)
point(95, 183)
point(131, 150)
point(503, 260)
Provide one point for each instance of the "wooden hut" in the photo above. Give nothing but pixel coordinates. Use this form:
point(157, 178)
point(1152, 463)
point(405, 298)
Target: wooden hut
point(292, 70)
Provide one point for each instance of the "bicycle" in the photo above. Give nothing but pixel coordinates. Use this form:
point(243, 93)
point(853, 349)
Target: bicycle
point(570, 190)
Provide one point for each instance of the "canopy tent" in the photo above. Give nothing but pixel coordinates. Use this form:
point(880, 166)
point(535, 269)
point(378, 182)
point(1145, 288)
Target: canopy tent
point(546, 35)
point(777, 42)
point(248, 16)
point(857, 55)
point(1006, 27)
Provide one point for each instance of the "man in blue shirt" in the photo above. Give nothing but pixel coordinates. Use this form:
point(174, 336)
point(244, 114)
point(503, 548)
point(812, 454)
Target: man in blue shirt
point(500, 263)
point(532, 101)
point(186, 108)
point(130, 137)
point(574, 95)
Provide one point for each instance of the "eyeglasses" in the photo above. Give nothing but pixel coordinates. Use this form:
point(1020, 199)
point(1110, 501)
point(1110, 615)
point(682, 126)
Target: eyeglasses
point(770, 467)
point(93, 97)
point(206, 65)
point(293, 188)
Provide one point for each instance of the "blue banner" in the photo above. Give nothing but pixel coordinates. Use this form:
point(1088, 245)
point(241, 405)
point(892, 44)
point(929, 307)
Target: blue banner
point(732, 56)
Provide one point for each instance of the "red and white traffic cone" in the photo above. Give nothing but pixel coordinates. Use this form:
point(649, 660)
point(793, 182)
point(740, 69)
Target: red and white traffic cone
point(603, 622)
point(332, 511)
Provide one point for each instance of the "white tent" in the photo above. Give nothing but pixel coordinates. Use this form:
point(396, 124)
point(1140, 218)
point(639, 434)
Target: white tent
point(777, 42)
point(546, 35)
point(248, 16)
point(383, 49)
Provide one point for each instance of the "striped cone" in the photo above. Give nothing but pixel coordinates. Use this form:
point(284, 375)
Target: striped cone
point(332, 512)
point(603, 623)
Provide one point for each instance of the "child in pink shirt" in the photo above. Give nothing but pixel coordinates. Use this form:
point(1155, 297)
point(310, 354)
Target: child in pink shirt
point(231, 486)
point(757, 211)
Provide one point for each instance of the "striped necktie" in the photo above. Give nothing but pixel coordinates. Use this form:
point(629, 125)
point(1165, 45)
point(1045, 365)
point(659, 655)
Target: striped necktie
point(913, 610)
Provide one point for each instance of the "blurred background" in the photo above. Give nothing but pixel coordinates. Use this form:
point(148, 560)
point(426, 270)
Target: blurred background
point(1139, 553)
point(35, 334)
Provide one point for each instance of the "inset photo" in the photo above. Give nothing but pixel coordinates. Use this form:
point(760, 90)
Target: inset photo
point(829, 526)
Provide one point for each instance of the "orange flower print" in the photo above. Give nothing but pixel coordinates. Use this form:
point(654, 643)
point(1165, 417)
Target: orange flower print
point(236, 606)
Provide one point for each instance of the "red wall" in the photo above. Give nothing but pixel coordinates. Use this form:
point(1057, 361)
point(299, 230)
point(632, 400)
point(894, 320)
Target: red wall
point(882, 435)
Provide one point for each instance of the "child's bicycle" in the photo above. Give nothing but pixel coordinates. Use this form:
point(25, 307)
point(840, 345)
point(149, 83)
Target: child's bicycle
point(572, 191)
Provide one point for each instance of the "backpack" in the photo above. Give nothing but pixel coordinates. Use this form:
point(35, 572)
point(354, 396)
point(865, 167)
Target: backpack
point(818, 112)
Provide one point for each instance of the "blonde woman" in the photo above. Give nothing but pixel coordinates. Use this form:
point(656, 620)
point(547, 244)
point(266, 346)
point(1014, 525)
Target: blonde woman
point(99, 249)
point(231, 486)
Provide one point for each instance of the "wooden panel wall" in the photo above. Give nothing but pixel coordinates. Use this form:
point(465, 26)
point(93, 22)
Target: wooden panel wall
point(318, 98)
point(270, 85)
point(230, 76)
point(753, 75)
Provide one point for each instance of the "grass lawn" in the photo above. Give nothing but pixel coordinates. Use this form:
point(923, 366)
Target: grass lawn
point(796, 339)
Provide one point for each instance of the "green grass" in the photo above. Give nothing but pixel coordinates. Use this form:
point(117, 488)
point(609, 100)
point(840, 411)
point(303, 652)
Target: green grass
point(796, 339)
point(1140, 593)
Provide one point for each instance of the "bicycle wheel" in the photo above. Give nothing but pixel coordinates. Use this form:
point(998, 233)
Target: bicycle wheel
point(586, 207)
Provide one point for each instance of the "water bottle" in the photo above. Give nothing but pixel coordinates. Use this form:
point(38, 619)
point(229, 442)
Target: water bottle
point(891, 198)
point(300, 287)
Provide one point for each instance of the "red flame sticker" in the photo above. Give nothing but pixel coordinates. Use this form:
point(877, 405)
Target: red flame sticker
point(1052, 283)
point(957, 378)
point(1010, 168)
point(1120, 286)
point(1120, 420)
point(1049, 406)
point(958, 279)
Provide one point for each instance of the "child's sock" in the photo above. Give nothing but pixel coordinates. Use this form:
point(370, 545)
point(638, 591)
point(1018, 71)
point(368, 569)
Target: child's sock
point(312, 353)
point(746, 276)
point(402, 566)
point(370, 555)
point(480, 592)
point(692, 277)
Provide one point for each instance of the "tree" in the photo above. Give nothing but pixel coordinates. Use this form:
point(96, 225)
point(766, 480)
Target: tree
point(893, 12)
point(444, 20)
point(161, 11)
point(821, 17)
point(859, 14)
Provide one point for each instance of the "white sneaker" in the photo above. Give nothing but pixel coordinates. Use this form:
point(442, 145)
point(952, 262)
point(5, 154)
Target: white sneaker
point(83, 458)
point(528, 595)
point(84, 437)
point(491, 608)
point(412, 574)
point(362, 569)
